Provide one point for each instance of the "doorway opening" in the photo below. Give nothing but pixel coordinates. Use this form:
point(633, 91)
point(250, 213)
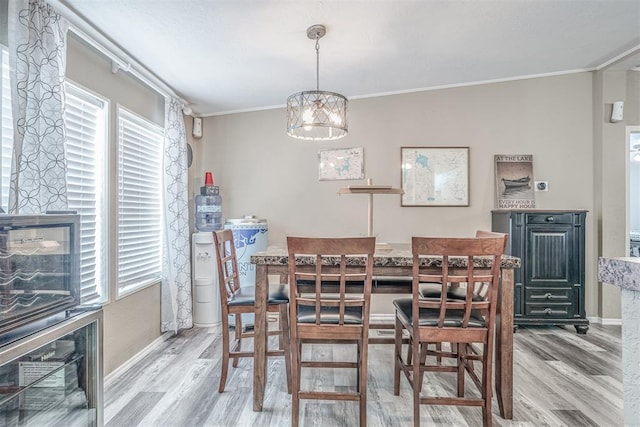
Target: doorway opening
point(633, 140)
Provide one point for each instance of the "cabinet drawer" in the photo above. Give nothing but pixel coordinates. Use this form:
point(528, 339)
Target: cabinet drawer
point(549, 218)
point(540, 295)
point(549, 310)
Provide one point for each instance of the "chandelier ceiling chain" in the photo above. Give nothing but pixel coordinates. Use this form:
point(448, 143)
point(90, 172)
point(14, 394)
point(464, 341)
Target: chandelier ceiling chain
point(315, 114)
point(317, 62)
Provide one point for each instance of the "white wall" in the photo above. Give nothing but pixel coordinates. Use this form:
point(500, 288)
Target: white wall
point(264, 172)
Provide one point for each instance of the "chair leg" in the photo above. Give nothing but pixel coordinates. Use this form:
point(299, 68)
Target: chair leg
point(286, 342)
point(299, 360)
point(397, 357)
point(487, 375)
point(422, 361)
point(461, 350)
point(358, 361)
point(416, 384)
point(238, 335)
point(295, 382)
point(486, 417)
point(424, 347)
point(362, 380)
point(225, 353)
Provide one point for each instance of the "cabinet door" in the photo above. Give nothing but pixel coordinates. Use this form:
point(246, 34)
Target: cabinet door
point(516, 247)
point(549, 271)
point(549, 255)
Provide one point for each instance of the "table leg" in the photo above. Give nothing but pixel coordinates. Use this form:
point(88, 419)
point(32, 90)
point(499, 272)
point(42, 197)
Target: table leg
point(260, 337)
point(504, 346)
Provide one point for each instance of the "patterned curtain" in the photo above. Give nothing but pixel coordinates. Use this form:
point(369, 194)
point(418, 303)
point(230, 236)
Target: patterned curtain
point(37, 52)
point(176, 274)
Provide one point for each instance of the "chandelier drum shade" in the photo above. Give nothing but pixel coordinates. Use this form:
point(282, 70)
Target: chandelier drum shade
point(316, 114)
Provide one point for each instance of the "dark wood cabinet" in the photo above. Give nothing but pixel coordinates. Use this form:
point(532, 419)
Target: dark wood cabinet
point(549, 286)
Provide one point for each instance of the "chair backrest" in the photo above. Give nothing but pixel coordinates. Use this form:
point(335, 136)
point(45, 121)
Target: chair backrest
point(484, 234)
point(471, 261)
point(322, 270)
point(228, 277)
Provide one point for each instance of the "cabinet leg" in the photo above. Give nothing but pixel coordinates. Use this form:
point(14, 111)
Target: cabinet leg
point(582, 329)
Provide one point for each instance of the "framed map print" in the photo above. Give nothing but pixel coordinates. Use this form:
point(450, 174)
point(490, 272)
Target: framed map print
point(340, 164)
point(435, 176)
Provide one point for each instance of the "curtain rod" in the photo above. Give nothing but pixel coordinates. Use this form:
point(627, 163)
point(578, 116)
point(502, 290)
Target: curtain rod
point(120, 60)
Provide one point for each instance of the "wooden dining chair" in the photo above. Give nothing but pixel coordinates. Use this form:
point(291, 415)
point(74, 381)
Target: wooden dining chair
point(433, 290)
point(322, 272)
point(236, 300)
point(465, 317)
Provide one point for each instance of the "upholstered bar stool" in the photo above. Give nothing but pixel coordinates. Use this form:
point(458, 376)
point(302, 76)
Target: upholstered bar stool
point(433, 290)
point(236, 300)
point(465, 319)
point(322, 271)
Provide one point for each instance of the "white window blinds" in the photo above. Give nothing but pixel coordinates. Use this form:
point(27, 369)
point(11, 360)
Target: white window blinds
point(6, 129)
point(139, 202)
point(85, 119)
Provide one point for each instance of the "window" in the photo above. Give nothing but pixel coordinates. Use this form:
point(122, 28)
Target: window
point(139, 202)
point(139, 179)
point(85, 119)
point(6, 129)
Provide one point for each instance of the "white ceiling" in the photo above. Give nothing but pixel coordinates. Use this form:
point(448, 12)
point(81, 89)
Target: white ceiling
point(242, 55)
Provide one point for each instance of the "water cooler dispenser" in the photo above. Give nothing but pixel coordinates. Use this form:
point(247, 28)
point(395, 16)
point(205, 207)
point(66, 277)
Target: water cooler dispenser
point(206, 293)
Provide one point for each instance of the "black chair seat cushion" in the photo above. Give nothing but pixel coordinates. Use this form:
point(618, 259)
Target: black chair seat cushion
point(331, 286)
point(246, 295)
point(432, 290)
point(329, 315)
point(430, 316)
point(427, 290)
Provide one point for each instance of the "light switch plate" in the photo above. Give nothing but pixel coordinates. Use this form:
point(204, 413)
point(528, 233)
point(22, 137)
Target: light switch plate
point(542, 185)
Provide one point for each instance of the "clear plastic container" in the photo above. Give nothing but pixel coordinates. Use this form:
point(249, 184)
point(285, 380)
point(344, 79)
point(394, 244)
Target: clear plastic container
point(209, 207)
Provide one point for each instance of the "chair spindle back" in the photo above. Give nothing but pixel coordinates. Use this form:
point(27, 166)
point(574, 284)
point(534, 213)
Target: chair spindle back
point(474, 262)
point(227, 263)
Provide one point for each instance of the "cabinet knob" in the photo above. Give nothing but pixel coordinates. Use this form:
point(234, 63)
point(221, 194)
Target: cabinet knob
point(548, 295)
point(548, 311)
point(550, 219)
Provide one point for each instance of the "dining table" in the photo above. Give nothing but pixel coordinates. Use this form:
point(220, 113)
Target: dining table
point(391, 261)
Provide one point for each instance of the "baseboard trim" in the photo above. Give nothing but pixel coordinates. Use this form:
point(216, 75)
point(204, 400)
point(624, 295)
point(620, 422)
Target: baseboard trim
point(136, 358)
point(390, 318)
point(382, 318)
point(605, 322)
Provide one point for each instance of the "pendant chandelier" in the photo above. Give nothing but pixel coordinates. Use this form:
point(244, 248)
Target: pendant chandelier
point(317, 115)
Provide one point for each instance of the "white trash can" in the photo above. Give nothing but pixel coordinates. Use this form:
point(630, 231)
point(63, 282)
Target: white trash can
point(249, 236)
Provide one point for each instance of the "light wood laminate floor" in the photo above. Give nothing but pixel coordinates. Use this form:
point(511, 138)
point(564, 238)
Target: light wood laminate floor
point(560, 378)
